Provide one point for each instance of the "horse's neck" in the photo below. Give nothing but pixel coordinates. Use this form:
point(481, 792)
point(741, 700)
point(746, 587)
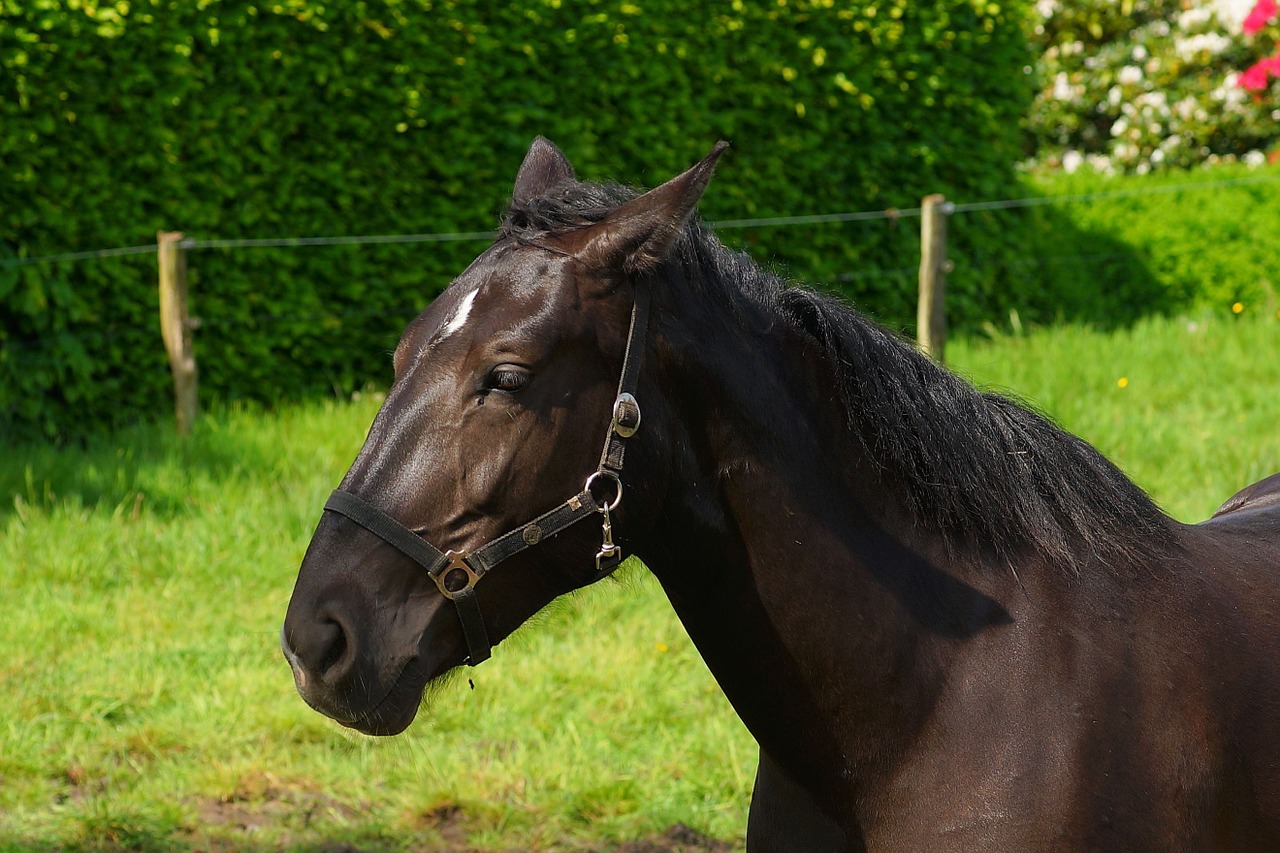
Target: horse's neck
point(808, 595)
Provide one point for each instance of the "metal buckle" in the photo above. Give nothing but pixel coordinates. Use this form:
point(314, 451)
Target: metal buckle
point(457, 562)
point(626, 415)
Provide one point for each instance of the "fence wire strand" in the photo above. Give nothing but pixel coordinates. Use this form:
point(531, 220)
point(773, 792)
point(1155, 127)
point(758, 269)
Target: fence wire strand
point(93, 254)
point(886, 214)
point(353, 240)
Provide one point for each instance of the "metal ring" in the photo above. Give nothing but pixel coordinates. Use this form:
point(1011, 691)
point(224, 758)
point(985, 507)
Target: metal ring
point(457, 562)
point(617, 483)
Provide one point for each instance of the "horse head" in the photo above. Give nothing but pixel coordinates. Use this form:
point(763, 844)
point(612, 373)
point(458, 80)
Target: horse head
point(487, 449)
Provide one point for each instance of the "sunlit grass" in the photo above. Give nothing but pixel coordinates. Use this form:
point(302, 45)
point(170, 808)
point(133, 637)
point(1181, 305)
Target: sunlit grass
point(147, 702)
point(1187, 407)
point(144, 580)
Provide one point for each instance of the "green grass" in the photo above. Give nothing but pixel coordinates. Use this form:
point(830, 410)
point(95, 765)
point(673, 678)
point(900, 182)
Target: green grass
point(1196, 417)
point(144, 580)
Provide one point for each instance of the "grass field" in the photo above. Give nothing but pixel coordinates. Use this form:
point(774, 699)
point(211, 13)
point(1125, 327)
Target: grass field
point(144, 580)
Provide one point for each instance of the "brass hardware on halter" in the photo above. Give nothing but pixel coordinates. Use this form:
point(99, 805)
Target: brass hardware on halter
point(457, 563)
point(608, 551)
point(626, 415)
point(603, 505)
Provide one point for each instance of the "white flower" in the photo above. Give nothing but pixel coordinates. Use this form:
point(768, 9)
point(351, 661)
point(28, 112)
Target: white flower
point(1232, 12)
point(1101, 164)
point(1119, 126)
point(1254, 159)
point(1195, 17)
point(1062, 87)
point(1071, 160)
point(1157, 156)
point(1129, 75)
point(1229, 93)
point(1211, 43)
point(1153, 101)
point(1139, 53)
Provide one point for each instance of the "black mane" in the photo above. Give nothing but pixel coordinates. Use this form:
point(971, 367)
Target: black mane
point(980, 469)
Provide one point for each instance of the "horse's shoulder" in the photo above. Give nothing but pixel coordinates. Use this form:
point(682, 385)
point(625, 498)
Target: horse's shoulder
point(1261, 494)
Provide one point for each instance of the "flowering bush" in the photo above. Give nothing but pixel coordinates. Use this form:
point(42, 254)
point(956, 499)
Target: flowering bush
point(1149, 84)
point(1261, 25)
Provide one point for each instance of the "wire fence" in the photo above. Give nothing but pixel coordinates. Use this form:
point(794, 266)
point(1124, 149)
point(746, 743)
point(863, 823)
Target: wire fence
point(90, 337)
point(879, 215)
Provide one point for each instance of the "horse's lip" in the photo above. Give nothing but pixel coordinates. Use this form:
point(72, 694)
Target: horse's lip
point(375, 722)
point(371, 722)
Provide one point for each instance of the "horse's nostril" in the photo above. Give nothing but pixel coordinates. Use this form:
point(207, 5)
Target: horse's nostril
point(337, 649)
point(316, 649)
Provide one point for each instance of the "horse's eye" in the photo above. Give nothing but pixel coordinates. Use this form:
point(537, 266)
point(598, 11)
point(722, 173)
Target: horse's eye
point(508, 377)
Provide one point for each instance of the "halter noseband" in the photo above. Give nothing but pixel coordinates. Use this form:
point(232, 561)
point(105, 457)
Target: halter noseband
point(456, 573)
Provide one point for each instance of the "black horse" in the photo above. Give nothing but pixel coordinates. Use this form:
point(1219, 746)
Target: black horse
point(949, 624)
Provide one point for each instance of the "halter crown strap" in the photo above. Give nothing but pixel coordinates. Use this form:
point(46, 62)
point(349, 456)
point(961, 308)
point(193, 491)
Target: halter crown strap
point(626, 411)
point(457, 573)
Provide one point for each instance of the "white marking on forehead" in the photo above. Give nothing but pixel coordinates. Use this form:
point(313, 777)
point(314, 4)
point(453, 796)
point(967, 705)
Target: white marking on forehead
point(460, 314)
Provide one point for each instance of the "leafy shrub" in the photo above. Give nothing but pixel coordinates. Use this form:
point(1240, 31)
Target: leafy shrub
point(238, 119)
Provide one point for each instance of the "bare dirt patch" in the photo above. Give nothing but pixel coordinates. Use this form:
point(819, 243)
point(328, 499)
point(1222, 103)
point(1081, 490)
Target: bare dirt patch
point(260, 801)
point(677, 839)
point(262, 804)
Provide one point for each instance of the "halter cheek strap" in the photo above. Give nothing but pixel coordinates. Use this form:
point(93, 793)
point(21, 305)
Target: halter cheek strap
point(456, 573)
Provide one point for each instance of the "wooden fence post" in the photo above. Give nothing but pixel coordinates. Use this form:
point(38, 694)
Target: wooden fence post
point(931, 315)
point(175, 326)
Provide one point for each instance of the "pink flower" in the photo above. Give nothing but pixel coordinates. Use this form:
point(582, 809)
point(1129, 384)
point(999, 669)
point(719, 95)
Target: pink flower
point(1255, 76)
point(1263, 11)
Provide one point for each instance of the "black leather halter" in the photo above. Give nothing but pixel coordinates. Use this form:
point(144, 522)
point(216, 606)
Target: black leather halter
point(457, 572)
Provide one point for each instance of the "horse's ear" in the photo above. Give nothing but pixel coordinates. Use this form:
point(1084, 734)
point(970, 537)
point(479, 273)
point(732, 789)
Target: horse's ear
point(544, 166)
point(637, 235)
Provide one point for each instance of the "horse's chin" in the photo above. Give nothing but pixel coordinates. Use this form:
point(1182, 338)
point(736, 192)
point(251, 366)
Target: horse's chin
point(385, 721)
point(398, 708)
point(391, 715)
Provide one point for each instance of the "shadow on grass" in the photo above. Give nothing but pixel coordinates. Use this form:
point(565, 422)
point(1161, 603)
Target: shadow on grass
point(1052, 270)
point(118, 471)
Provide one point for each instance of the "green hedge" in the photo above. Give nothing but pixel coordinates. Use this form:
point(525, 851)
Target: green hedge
point(1204, 239)
point(259, 120)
